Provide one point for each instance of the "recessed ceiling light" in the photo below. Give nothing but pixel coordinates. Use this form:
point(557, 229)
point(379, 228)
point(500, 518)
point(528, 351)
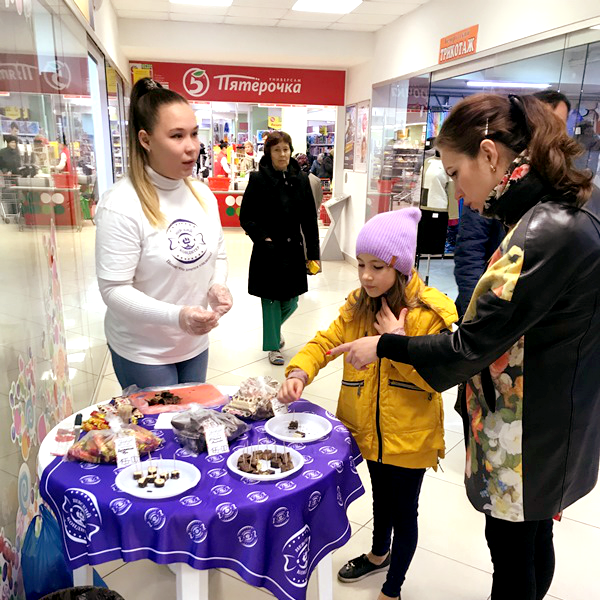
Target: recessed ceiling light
point(336, 7)
point(223, 3)
point(509, 85)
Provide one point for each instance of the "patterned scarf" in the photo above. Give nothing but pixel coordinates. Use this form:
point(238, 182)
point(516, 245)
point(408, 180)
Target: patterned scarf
point(520, 189)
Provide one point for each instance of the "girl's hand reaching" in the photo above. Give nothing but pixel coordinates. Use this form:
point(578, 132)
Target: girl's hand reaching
point(290, 390)
point(386, 322)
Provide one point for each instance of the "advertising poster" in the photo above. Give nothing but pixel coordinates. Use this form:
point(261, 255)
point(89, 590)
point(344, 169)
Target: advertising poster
point(361, 141)
point(350, 133)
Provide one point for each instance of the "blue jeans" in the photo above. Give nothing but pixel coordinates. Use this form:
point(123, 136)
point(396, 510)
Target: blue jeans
point(129, 373)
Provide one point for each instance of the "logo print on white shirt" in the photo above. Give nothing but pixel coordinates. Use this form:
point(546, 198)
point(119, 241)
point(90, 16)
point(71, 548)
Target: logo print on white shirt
point(186, 243)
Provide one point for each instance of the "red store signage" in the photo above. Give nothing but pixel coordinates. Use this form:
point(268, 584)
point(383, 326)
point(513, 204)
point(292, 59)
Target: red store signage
point(29, 73)
point(198, 82)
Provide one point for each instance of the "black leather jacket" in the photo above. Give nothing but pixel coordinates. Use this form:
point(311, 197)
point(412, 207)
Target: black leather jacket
point(529, 347)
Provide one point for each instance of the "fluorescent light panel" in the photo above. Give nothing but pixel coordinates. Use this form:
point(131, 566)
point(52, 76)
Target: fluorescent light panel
point(335, 7)
point(506, 84)
point(595, 27)
point(223, 3)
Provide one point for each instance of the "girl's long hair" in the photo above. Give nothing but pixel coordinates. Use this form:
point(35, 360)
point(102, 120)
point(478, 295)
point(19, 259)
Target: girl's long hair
point(519, 122)
point(147, 97)
point(396, 298)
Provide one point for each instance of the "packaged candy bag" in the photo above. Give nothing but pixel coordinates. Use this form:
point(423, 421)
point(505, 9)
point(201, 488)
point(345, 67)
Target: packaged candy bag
point(253, 400)
point(99, 446)
point(188, 427)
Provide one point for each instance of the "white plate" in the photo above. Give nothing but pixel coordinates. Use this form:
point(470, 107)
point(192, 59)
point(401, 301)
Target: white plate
point(189, 476)
point(314, 427)
point(297, 460)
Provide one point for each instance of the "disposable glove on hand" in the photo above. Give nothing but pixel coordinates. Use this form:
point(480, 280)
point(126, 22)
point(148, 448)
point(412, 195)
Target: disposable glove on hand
point(220, 299)
point(196, 320)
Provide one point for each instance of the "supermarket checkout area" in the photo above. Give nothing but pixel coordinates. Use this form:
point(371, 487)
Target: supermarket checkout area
point(229, 196)
point(36, 200)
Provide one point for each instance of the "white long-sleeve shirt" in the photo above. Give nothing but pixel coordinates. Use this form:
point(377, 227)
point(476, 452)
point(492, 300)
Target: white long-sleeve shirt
point(147, 274)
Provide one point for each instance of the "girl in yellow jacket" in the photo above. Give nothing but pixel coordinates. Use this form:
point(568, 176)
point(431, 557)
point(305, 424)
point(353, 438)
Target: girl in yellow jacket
point(395, 417)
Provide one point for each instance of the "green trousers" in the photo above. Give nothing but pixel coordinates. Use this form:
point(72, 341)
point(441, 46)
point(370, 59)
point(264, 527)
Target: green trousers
point(275, 313)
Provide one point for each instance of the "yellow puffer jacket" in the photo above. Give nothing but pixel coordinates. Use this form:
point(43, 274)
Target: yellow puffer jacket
point(395, 417)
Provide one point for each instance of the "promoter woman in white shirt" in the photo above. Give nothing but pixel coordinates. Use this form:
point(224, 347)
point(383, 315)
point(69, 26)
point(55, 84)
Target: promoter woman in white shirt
point(160, 253)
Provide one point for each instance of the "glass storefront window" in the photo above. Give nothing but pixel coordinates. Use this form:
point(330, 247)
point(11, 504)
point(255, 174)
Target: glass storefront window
point(398, 138)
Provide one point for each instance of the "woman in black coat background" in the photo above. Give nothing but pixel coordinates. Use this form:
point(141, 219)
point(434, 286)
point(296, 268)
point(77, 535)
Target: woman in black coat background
point(277, 211)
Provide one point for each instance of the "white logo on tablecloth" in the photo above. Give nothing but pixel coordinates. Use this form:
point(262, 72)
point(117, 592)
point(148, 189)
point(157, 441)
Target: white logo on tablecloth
point(266, 440)
point(148, 421)
point(190, 501)
point(155, 518)
point(285, 486)
point(81, 515)
point(247, 481)
point(247, 536)
point(120, 506)
point(115, 488)
point(258, 496)
point(314, 500)
point(281, 516)
point(327, 450)
point(197, 531)
point(186, 242)
point(348, 441)
point(308, 459)
point(158, 433)
point(88, 466)
point(339, 498)
point(352, 465)
point(217, 458)
point(340, 429)
point(244, 436)
point(184, 453)
point(338, 465)
point(296, 551)
point(227, 511)
point(331, 416)
point(221, 490)
point(217, 473)
point(313, 474)
point(259, 429)
point(90, 479)
point(297, 446)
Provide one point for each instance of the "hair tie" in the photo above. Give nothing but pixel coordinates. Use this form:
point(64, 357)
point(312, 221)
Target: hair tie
point(519, 114)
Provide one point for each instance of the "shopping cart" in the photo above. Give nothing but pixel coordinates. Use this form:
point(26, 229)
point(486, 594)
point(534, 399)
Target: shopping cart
point(10, 205)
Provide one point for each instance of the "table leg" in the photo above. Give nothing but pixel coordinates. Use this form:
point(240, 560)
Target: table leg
point(83, 576)
point(192, 584)
point(325, 578)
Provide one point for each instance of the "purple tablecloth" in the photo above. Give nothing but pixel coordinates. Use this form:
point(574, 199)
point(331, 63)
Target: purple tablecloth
point(272, 534)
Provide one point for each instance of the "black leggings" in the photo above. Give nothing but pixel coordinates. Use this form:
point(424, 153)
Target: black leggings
point(523, 558)
point(395, 508)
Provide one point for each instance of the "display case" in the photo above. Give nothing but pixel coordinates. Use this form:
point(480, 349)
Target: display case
point(398, 135)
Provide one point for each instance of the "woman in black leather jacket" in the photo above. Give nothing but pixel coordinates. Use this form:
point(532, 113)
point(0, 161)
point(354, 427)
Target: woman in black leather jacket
point(529, 343)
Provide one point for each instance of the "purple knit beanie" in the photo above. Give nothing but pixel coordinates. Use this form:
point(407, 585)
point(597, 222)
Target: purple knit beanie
point(391, 237)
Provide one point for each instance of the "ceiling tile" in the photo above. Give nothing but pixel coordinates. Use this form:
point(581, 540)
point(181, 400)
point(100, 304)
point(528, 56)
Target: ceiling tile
point(134, 5)
point(304, 24)
point(367, 19)
point(265, 3)
point(295, 15)
point(385, 8)
point(196, 18)
point(255, 22)
point(136, 14)
point(355, 27)
point(213, 11)
point(256, 11)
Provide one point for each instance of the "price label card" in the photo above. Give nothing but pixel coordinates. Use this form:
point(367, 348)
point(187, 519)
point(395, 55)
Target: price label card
point(216, 440)
point(127, 452)
point(279, 408)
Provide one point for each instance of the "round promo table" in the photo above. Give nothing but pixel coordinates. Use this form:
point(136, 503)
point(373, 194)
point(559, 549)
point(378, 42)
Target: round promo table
point(273, 534)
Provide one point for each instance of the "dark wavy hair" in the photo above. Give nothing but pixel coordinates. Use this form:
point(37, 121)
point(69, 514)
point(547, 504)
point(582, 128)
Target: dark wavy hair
point(519, 123)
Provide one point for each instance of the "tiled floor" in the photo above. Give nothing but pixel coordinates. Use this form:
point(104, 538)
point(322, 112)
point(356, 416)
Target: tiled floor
point(452, 560)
